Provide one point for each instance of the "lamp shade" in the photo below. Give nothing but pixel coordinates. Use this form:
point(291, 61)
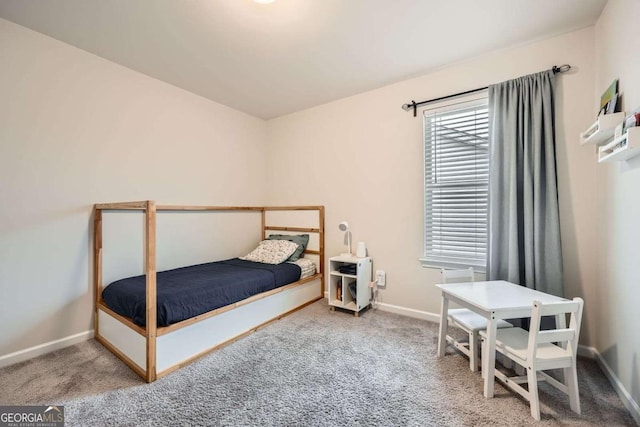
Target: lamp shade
point(344, 226)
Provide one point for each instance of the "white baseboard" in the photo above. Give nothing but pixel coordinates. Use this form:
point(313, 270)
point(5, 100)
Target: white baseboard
point(631, 405)
point(409, 312)
point(588, 352)
point(22, 355)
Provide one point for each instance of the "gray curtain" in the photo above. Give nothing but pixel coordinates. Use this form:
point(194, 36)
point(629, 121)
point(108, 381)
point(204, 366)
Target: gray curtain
point(524, 224)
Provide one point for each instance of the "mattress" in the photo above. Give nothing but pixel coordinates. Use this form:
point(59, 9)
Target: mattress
point(307, 266)
point(187, 292)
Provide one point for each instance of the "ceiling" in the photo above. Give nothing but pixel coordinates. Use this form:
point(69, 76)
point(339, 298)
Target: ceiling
point(270, 60)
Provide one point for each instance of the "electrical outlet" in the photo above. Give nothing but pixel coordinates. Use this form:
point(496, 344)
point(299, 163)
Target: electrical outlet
point(381, 278)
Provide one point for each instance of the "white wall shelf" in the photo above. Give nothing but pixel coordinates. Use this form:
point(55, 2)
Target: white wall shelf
point(339, 293)
point(622, 148)
point(602, 129)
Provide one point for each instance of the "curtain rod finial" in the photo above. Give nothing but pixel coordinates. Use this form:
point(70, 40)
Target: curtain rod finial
point(407, 107)
point(561, 69)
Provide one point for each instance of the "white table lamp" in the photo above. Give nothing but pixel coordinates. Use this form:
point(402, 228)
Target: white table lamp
point(344, 226)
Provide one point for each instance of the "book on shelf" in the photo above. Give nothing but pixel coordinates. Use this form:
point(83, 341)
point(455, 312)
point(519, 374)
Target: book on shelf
point(348, 269)
point(353, 290)
point(609, 94)
point(611, 105)
point(632, 120)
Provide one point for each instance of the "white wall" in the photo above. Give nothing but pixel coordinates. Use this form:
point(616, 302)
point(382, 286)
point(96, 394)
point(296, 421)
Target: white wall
point(76, 129)
point(618, 186)
point(362, 157)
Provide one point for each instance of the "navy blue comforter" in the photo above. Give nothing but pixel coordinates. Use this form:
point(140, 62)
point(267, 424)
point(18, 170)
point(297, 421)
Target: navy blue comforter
point(189, 291)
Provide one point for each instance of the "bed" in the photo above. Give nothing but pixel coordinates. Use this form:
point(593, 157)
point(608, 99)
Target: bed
point(161, 321)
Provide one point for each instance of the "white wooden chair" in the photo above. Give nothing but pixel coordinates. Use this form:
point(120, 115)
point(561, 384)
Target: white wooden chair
point(466, 319)
point(536, 350)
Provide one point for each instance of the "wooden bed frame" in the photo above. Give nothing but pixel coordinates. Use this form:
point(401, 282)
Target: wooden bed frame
point(152, 351)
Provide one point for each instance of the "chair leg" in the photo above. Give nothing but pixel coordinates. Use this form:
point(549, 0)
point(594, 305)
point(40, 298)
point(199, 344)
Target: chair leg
point(483, 354)
point(473, 351)
point(534, 402)
point(571, 377)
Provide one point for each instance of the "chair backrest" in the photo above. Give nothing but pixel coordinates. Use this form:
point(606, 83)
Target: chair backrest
point(570, 335)
point(456, 276)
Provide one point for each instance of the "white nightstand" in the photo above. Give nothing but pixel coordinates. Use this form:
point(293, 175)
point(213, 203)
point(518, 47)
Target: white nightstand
point(346, 290)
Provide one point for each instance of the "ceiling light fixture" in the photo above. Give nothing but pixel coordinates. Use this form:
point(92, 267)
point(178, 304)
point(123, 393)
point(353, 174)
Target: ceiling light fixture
point(264, 1)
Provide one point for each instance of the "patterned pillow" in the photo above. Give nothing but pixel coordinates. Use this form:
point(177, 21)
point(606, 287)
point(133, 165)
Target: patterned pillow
point(271, 252)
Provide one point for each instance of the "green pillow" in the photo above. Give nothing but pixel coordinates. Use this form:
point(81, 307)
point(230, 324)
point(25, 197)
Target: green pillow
point(301, 239)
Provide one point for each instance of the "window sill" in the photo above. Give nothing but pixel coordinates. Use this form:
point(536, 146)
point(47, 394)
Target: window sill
point(430, 263)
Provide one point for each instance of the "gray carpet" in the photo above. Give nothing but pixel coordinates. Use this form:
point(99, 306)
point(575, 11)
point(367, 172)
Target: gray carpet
point(312, 368)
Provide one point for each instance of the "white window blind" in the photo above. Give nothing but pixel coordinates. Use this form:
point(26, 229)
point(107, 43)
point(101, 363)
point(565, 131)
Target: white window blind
point(456, 174)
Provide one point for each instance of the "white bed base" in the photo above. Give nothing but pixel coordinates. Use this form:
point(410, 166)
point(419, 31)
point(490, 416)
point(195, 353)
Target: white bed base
point(182, 346)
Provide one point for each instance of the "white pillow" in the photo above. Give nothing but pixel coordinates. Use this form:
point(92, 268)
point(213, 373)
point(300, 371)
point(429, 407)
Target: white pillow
point(271, 252)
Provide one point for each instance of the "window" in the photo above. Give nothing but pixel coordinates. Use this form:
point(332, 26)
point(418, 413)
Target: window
point(456, 175)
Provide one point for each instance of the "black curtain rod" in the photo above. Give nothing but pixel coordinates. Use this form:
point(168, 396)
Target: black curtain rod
point(414, 105)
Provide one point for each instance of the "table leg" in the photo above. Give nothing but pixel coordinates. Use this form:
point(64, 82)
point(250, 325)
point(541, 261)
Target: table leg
point(489, 359)
point(442, 334)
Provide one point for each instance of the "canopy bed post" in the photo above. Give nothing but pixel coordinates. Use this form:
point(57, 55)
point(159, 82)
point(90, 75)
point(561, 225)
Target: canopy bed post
point(97, 265)
point(321, 245)
point(150, 271)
